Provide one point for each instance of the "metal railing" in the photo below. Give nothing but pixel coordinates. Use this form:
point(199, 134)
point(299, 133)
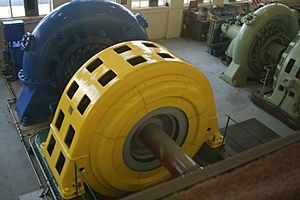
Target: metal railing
point(268, 76)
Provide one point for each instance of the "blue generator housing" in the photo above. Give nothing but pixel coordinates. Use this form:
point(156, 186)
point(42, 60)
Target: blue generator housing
point(13, 31)
point(63, 41)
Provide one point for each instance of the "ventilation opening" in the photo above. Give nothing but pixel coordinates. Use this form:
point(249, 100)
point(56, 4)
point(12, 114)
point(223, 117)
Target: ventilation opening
point(290, 65)
point(73, 88)
point(137, 60)
point(298, 74)
point(292, 94)
point(281, 88)
point(60, 163)
point(165, 55)
point(83, 104)
point(122, 49)
point(51, 145)
point(149, 45)
point(59, 120)
point(107, 77)
point(94, 65)
point(69, 136)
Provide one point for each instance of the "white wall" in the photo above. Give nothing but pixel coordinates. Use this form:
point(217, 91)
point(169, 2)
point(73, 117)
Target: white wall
point(157, 20)
point(164, 22)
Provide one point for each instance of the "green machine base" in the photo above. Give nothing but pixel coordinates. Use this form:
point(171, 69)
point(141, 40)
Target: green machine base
point(284, 101)
point(290, 121)
point(36, 141)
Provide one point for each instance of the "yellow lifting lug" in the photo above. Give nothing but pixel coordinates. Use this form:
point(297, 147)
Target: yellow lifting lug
point(109, 100)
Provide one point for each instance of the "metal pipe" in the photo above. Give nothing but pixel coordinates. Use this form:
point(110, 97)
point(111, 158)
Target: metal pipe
point(167, 151)
point(230, 31)
point(10, 6)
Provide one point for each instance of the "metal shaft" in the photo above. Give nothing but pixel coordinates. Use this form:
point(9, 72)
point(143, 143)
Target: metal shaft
point(275, 51)
point(167, 151)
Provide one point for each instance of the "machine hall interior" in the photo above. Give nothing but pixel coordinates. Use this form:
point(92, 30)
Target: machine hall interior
point(149, 99)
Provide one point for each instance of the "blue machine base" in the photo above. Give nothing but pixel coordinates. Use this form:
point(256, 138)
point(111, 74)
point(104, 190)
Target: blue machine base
point(36, 105)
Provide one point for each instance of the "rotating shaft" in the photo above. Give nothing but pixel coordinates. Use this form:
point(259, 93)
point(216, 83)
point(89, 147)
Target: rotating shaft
point(175, 160)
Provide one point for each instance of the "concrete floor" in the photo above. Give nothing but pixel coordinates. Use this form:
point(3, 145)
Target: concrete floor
point(229, 100)
point(17, 177)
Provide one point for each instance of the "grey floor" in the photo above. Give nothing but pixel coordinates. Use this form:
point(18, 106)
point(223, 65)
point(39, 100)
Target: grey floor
point(17, 178)
point(229, 100)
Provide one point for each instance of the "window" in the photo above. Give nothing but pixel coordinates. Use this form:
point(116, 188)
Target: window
point(147, 3)
point(15, 8)
point(234, 1)
point(186, 2)
point(161, 2)
point(43, 6)
point(10, 8)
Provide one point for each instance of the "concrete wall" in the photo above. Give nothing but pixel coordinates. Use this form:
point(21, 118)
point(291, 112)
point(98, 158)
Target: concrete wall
point(164, 21)
point(157, 20)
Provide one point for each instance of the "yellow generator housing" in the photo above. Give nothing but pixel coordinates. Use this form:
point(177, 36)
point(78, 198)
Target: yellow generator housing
point(105, 104)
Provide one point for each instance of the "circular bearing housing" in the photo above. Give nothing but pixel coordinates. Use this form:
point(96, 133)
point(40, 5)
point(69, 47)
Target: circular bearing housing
point(112, 95)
